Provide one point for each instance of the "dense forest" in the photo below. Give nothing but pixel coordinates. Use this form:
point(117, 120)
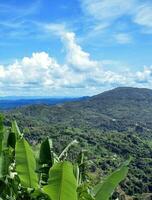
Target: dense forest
point(48, 176)
point(110, 127)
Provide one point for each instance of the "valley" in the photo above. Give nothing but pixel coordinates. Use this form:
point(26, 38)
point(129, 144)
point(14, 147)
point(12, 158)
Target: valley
point(110, 126)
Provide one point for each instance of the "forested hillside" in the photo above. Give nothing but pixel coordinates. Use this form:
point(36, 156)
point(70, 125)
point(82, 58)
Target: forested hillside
point(43, 174)
point(110, 126)
point(118, 109)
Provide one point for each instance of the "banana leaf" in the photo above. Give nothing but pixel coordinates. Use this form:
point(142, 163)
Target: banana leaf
point(26, 164)
point(62, 184)
point(104, 190)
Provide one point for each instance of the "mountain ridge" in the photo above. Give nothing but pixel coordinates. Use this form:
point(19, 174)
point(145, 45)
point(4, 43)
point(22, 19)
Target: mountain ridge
point(118, 109)
point(113, 124)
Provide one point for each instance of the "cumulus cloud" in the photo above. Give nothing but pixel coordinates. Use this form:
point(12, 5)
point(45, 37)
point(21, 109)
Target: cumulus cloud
point(29, 70)
point(42, 74)
point(78, 59)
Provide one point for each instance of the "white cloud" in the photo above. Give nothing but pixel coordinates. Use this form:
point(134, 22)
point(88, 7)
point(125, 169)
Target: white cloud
point(42, 74)
point(123, 38)
point(143, 15)
point(108, 10)
point(75, 56)
point(34, 71)
point(79, 59)
point(104, 11)
point(145, 75)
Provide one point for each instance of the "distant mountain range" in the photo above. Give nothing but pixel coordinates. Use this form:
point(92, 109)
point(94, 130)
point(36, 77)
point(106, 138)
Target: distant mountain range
point(7, 103)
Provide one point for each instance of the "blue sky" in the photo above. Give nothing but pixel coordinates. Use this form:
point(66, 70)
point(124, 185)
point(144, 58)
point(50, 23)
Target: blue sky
point(75, 47)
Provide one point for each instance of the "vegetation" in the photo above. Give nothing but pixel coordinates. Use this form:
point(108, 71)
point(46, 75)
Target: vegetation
point(121, 109)
point(49, 176)
point(110, 126)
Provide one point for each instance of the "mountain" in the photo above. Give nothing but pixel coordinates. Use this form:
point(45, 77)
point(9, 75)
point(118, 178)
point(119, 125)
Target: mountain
point(110, 126)
point(125, 106)
point(7, 103)
point(118, 109)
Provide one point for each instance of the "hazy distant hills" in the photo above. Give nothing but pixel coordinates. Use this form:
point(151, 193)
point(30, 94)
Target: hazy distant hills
point(7, 103)
point(117, 109)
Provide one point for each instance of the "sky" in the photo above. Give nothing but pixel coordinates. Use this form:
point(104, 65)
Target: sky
point(74, 47)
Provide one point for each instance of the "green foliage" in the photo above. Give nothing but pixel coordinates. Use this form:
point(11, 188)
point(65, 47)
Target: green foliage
point(19, 180)
point(25, 164)
point(104, 189)
point(5, 159)
point(62, 183)
point(46, 156)
point(63, 155)
point(111, 126)
point(1, 133)
point(15, 129)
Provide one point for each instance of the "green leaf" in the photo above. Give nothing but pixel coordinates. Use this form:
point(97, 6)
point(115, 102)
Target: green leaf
point(4, 133)
point(5, 159)
point(64, 152)
point(46, 160)
point(26, 164)
point(62, 183)
point(15, 129)
point(1, 132)
point(104, 190)
point(45, 156)
point(14, 134)
point(5, 138)
point(84, 192)
point(11, 140)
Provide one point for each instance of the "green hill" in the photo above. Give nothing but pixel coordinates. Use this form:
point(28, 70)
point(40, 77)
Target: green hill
point(111, 126)
point(118, 109)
